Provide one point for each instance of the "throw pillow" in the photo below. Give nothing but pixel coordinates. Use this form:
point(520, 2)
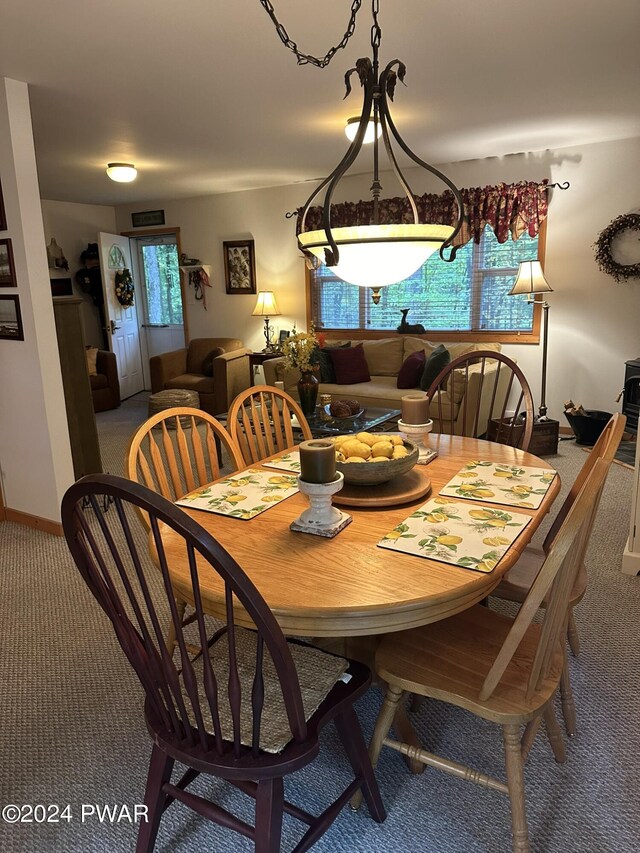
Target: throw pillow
point(92, 355)
point(412, 369)
point(207, 364)
point(323, 358)
point(350, 365)
point(438, 359)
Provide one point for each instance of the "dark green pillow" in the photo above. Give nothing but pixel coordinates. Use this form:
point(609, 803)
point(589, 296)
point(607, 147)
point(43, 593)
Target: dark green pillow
point(322, 356)
point(438, 359)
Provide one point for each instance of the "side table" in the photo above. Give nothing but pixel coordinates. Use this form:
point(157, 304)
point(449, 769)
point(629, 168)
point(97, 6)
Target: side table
point(257, 359)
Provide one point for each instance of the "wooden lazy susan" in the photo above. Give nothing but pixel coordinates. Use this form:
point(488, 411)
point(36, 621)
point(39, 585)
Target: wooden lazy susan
point(403, 489)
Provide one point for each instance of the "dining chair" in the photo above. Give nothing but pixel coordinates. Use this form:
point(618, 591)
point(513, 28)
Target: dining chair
point(517, 582)
point(174, 452)
point(250, 709)
point(483, 394)
point(259, 421)
point(503, 669)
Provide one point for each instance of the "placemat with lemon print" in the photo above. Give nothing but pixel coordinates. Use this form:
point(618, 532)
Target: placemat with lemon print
point(244, 495)
point(286, 462)
point(449, 531)
point(512, 485)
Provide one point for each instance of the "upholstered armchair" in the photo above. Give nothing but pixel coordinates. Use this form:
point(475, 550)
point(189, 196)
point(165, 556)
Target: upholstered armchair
point(105, 387)
point(217, 368)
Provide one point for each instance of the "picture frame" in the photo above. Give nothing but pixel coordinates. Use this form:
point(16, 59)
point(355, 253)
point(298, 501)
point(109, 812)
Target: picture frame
point(239, 266)
point(147, 218)
point(10, 319)
point(3, 216)
point(7, 268)
point(284, 334)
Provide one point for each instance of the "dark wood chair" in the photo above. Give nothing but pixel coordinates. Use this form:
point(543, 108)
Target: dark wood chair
point(472, 395)
point(260, 422)
point(239, 712)
point(502, 669)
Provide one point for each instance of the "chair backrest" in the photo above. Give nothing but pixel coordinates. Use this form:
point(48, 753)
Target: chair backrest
point(197, 707)
point(259, 421)
point(605, 448)
point(176, 451)
point(200, 348)
point(555, 581)
point(480, 387)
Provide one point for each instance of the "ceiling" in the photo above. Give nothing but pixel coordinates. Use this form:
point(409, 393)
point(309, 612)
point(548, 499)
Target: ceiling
point(204, 98)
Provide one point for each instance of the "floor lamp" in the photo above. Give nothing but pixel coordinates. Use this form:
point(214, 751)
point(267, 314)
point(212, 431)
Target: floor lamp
point(266, 307)
point(531, 280)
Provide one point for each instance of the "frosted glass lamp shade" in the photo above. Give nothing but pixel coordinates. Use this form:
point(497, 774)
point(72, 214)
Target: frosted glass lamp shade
point(351, 128)
point(265, 305)
point(377, 255)
point(530, 279)
point(123, 173)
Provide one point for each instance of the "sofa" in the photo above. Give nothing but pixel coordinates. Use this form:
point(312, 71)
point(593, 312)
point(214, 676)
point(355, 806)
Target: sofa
point(217, 368)
point(105, 386)
point(384, 359)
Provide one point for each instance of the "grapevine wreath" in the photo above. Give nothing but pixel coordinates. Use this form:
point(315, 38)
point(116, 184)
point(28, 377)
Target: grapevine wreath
point(124, 288)
point(604, 258)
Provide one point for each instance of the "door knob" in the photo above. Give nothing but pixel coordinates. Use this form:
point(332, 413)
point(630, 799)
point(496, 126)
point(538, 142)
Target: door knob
point(114, 328)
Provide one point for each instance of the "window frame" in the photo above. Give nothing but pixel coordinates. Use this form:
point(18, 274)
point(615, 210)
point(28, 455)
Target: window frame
point(503, 337)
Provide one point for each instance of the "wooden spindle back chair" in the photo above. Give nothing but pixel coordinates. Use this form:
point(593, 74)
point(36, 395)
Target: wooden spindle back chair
point(480, 387)
point(504, 670)
point(209, 714)
point(259, 421)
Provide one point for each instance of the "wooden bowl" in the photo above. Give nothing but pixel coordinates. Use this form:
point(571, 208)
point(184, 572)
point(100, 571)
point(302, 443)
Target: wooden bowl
point(374, 473)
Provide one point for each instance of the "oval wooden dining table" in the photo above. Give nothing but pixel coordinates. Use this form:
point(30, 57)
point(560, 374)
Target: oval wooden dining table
point(347, 586)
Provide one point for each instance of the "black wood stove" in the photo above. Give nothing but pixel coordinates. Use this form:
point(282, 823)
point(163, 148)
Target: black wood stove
point(631, 394)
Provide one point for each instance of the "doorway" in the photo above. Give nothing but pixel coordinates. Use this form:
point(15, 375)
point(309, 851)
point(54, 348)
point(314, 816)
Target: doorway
point(162, 312)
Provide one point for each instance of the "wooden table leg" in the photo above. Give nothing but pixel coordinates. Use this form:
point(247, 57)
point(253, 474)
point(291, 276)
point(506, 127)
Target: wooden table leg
point(406, 734)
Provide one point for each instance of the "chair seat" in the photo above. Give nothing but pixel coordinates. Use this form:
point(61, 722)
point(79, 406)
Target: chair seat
point(191, 382)
point(449, 660)
point(515, 585)
point(318, 673)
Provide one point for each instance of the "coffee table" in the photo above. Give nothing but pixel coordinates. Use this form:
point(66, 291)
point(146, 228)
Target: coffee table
point(372, 418)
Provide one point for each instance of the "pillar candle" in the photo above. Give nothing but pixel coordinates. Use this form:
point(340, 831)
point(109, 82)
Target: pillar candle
point(415, 408)
point(317, 461)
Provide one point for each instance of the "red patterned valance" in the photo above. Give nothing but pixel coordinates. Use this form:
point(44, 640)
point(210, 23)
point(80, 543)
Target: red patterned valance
point(510, 209)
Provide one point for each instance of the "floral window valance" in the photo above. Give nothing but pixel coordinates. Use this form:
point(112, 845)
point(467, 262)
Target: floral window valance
point(510, 209)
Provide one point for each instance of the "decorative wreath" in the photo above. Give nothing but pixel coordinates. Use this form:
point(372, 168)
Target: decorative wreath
point(124, 288)
point(604, 258)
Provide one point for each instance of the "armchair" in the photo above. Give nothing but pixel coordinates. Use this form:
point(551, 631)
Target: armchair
point(105, 386)
point(217, 368)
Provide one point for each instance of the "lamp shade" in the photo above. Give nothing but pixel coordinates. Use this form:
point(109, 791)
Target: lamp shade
point(123, 173)
point(530, 279)
point(266, 305)
point(351, 128)
point(377, 255)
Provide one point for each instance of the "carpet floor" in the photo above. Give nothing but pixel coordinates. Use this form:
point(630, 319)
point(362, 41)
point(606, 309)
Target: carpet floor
point(73, 733)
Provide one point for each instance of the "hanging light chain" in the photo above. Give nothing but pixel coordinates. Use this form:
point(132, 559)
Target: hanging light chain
point(307, 59)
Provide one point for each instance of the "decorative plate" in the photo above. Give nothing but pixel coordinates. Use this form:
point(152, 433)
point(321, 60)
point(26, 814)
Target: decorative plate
point(327, 410)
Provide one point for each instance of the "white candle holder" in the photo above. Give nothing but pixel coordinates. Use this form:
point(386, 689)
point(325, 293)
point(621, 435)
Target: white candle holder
point(418, 434)
point(321, 519)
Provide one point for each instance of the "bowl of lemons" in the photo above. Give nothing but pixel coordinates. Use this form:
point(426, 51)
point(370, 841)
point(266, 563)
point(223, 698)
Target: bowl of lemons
point(368, 459)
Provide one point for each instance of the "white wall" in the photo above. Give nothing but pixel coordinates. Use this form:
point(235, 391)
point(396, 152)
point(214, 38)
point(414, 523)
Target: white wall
point(73, 226)
point(35, 455)
point(594, 321)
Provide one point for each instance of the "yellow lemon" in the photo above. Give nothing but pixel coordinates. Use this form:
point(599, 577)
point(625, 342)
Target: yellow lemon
point(521, 490)
point(278, 480)
point(497, 522)
point(481, 513)
point(355, 459)
point(382, 448)
point(399, 452)
point(442, 500)
point(496, 540)
point(367, 438)
point(483, 493)
point(340, 457)
point(235, 499)
point(436, 517)
point(270, 498)
point(395, 534)
point(502, 474)
point(379, 459)
point(466, 487)
point(449, 540)
point(486, 565)
point(467, 474)
point(396, 440)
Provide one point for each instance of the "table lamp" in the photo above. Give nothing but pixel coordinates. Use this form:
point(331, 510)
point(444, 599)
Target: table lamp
point(266, 307)
point(531, 280)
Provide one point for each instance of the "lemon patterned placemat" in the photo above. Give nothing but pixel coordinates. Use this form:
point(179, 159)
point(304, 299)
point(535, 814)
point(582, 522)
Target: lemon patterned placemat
point(512, 485)
point(455, 532)
point(244, 495)
point(286, 462)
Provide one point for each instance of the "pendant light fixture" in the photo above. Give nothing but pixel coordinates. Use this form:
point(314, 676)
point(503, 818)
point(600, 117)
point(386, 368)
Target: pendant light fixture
point(378, 254)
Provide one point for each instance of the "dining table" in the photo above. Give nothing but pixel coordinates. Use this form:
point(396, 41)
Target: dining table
point(347, 586)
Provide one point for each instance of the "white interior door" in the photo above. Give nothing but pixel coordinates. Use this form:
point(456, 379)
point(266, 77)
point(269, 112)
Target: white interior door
point(123, 332)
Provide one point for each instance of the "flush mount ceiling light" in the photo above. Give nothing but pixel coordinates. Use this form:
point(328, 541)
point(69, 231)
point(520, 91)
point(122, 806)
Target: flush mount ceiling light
point(123, 173)
point(351, 129)
point(378, 254)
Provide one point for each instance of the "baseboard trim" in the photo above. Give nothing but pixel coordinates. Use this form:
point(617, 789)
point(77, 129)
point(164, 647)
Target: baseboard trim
point(566, 430)
point(34, 521)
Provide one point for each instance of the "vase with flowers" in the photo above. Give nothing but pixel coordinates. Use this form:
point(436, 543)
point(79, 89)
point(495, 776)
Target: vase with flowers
point(299, 352)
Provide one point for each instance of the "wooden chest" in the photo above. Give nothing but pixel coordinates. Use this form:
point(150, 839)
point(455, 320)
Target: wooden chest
point(544, 439)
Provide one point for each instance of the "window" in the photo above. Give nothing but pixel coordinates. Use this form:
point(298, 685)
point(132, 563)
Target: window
point(162, 282)
point(465, 298)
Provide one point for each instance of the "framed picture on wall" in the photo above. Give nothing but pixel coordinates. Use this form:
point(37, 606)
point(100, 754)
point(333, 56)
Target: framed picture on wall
point(10, 319)
point(239, 266)
point(3, 218)
point(7, 269)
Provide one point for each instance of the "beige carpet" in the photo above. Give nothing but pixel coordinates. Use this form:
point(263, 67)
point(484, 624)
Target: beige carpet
point(72, 729)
